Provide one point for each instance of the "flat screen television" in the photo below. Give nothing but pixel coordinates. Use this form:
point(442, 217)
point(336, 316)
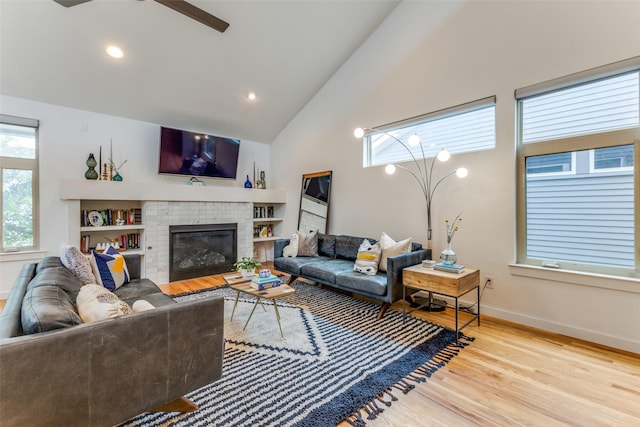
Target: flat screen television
point(197, 154)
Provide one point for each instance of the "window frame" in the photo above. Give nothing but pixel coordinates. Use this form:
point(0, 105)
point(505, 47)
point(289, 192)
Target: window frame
point(469, 107)
point(23, 164)
point(593, 141)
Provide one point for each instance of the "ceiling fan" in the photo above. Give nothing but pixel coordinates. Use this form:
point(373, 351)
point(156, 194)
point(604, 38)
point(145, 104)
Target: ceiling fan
point(178, 5)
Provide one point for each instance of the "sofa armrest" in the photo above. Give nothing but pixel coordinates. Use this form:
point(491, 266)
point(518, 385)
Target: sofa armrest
point(278, 246)
point(105, 372)
point(395, 264)
point(10, 317)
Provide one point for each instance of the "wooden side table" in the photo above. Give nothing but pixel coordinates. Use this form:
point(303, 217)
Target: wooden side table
point(442, 283)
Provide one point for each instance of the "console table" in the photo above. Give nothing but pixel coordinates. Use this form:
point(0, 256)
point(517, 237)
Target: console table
point(442, 283)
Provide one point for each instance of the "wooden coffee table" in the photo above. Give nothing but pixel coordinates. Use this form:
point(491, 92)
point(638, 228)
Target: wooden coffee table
point(243, 285)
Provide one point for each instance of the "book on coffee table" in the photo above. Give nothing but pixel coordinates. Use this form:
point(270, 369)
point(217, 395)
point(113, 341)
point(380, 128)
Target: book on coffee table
point(261, 283)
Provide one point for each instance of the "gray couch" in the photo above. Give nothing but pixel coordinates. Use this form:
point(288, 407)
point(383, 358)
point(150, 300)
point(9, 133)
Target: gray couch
point(334, 267)
point(100, 373)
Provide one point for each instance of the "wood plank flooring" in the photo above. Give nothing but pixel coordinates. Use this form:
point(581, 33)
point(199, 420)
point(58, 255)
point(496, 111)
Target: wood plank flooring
point(511, 375)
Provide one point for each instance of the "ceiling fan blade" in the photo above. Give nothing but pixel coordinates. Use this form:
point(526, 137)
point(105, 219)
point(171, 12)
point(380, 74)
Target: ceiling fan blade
point(196, 13)
point(69, 3)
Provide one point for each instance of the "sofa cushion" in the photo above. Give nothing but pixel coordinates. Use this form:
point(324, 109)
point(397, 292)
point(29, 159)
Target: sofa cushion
point(347, 246)
point(391, 248)
point(143, 289)
point(95, 303)
point(109, 268)
point(308, 243)
point(361, 283)
point(77, 263)
point(326, 271)
point(327, 245)
point(49, 302)
point(368, 258)
point(293, 265)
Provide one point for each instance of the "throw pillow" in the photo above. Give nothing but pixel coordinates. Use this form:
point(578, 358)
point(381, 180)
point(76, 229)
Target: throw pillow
point(291, 250)
point(97, 303)
point(109, 268)
point(77, 263)
point(142, 305)
point(390, 248)
point(368, 258)
point(308, 243)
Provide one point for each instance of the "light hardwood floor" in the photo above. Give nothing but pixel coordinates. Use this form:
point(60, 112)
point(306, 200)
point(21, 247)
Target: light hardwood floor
point(512, 375)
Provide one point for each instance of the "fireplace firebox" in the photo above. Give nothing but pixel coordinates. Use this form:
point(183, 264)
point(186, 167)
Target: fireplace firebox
point(201, 250)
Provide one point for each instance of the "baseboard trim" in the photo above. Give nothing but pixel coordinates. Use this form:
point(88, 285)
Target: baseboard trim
point(559, 328)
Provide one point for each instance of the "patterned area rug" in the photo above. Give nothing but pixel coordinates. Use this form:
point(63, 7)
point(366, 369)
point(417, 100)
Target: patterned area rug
point(335, 362)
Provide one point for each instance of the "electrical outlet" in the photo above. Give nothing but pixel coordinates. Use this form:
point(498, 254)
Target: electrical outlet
point(489, 282)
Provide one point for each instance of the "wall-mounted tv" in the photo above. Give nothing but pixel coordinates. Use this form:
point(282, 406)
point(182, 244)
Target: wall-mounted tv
point(197, 154)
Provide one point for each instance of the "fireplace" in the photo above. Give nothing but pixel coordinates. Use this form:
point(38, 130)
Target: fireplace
point(201, 250)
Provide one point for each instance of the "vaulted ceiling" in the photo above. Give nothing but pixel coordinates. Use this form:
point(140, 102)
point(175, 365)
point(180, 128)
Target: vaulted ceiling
point(177, 71)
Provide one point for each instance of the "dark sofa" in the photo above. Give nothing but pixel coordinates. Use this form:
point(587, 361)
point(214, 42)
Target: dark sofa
point(100, 373)
point(334, 267)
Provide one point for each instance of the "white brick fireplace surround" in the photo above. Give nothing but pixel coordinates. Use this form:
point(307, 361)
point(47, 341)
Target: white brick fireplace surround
point(171, 204)
point(158, 216)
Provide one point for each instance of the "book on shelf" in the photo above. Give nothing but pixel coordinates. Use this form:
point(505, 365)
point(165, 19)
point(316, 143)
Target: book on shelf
point(456, 268)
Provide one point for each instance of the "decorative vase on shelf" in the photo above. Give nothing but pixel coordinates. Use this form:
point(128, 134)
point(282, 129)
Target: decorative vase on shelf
point(448, 257)
point(247, 183)
point(91, 164)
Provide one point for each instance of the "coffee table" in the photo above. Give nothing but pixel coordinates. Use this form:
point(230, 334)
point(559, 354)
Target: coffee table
point(243, 285)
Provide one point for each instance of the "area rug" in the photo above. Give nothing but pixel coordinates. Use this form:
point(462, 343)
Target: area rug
point(335, 362)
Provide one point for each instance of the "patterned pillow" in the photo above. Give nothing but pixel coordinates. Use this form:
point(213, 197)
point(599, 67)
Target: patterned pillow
point(308, 243)
point(97, 303)
point(291, 250)
point(390, 248)
point(368, 258)
point(110, 269)
point(77, 263)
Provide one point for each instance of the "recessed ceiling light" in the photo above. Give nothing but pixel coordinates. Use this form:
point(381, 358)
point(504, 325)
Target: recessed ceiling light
point(251, 96)
point(115, 52)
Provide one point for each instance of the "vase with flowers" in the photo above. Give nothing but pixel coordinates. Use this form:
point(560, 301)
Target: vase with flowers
point(448, 257)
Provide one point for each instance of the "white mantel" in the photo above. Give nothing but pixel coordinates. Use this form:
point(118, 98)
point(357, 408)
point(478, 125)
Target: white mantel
point(126, 190)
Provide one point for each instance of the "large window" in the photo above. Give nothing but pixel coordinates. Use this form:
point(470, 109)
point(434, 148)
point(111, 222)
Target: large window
point(460, 129)
point(579, 142)
point(18, 176)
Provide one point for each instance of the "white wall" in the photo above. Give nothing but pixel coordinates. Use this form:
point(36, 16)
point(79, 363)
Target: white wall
point(67, 136)
point(431, 55)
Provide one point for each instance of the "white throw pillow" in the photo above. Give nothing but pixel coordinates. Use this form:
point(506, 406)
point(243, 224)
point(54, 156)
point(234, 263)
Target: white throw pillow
point(291, 250)
point(95, 303)
point(368, 258)
point(391, 248)
point(77, 263)
point(142, 305)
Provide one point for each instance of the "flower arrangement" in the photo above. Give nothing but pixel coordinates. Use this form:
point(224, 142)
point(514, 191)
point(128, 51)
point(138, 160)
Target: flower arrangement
point(453, 227)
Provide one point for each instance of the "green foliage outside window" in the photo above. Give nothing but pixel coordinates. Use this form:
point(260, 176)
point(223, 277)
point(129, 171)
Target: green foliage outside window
point(17, 208)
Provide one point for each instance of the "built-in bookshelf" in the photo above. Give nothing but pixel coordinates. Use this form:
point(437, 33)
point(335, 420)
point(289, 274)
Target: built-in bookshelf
point(266, 221)
point(111, 221)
